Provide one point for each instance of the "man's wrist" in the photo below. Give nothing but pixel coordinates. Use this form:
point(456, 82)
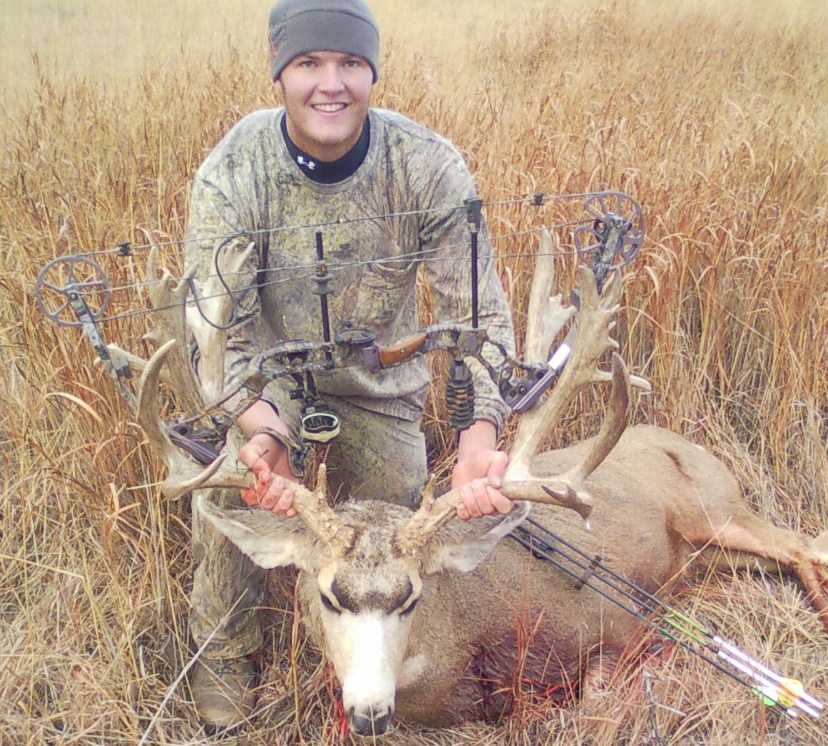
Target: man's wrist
point(272, 433)
point(291, 454)
point(480, 437)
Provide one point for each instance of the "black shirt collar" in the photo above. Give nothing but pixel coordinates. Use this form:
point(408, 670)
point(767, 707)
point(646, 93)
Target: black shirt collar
point(329, 172)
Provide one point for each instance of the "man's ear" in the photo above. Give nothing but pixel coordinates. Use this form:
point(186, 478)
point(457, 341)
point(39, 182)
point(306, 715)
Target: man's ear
point(462, 546)
point(269, 540)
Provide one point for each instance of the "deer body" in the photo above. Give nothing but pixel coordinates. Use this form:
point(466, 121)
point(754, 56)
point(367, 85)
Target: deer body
point(513, 617)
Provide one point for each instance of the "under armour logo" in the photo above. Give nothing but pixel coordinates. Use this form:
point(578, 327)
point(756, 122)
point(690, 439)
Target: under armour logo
point(310, 165)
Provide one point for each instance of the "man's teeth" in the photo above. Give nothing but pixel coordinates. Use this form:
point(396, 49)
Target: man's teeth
point(329, 107)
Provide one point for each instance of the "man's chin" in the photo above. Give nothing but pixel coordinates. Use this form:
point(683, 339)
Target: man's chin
point(330, 146)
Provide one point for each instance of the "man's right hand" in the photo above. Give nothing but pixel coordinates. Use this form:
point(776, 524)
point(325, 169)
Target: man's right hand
point(267, 458)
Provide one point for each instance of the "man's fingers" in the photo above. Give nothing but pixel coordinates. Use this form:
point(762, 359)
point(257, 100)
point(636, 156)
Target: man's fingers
point(270, 500)
point(475, 501)
point(273, 494)
point(478, 499)
point(496, 469)
point(278, 498)
point(500, 502)
point(285, 504)
point(250, 497)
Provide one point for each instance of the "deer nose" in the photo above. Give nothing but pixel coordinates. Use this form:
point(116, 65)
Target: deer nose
point(372, 725)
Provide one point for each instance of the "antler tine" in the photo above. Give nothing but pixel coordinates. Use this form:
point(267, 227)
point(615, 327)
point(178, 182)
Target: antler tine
point(545, 315)
point(591, 341)
point(216, 305)
point(429, 518)
point(319, 517)
point(568, 489)
point(182, 474)
point(168, 299)
point(171, 360)
point(614, 424)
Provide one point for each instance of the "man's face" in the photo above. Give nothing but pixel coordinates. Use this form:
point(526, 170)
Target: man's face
point(327, 95)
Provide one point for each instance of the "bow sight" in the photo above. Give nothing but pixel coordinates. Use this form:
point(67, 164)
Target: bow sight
point(607, 245)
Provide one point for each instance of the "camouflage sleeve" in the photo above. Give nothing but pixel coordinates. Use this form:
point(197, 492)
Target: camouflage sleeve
point(215, 233)
point(448, 271)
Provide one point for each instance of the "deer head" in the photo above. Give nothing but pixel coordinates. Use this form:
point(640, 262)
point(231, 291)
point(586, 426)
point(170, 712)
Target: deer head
point(360, 594)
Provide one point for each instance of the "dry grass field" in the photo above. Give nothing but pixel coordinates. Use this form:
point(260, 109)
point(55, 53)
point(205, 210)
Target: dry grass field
point(713, 115)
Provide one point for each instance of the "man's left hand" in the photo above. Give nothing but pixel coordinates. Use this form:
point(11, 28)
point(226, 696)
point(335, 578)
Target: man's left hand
point(479, 477)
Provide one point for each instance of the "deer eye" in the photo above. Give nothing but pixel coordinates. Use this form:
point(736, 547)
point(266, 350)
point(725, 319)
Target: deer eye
point(329, 605)
point(408, 609)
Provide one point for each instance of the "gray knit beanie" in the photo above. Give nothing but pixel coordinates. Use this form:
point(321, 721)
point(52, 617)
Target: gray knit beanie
point(301, 26)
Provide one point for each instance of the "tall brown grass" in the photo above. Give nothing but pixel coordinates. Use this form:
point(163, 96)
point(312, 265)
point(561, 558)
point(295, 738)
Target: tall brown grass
point(713, 115)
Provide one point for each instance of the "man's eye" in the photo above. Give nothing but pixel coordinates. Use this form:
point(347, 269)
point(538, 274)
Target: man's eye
point(408, 609)
point(328, 604)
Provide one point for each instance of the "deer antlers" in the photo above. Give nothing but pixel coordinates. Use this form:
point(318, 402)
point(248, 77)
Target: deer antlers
point(591, 341)
point(171, 362)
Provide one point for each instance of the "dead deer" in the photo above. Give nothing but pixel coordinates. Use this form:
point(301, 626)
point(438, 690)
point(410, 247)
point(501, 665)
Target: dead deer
point(420, 613)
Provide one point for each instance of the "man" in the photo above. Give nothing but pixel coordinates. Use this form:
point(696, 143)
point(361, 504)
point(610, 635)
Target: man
point(324, 163)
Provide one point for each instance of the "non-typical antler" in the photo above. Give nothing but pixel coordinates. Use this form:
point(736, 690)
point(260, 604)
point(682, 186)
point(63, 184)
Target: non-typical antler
point(590, 341)
point(171, 361)
point(208, 316)
point(226, 471)
point(547, 316)
point(183, 475)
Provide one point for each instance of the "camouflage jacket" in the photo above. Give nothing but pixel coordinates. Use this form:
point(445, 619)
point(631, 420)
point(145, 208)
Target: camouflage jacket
point(397, 215)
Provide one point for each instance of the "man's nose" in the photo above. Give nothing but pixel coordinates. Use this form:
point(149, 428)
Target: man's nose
point(331, 80)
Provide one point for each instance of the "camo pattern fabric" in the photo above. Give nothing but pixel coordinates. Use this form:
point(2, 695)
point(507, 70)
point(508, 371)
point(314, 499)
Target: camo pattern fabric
point(401, 213)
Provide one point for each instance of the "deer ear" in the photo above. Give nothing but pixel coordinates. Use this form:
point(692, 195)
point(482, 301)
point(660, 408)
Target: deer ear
point(460, 547)
point(269, 540)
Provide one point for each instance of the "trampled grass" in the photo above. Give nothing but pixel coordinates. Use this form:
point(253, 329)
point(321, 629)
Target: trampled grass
point(712, 115)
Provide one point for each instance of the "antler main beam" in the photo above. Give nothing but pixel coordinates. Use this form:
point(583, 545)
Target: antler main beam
point(184, 476)
point(565, 490)
point(547, 317)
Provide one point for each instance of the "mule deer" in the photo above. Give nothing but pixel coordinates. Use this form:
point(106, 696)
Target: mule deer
point(420, 613)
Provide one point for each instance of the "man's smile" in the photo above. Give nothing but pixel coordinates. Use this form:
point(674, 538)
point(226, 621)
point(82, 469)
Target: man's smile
point(329, 108)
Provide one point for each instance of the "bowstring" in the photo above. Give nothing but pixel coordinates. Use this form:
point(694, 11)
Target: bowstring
point(448, 253)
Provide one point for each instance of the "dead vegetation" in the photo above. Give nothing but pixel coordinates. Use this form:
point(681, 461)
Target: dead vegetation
point(715, 121)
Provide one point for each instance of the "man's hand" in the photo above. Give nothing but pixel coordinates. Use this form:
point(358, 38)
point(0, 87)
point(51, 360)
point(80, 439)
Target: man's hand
point(478, 460)
point(269, 460)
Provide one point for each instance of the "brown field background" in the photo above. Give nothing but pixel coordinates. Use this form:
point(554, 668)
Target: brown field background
point(713, 115)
